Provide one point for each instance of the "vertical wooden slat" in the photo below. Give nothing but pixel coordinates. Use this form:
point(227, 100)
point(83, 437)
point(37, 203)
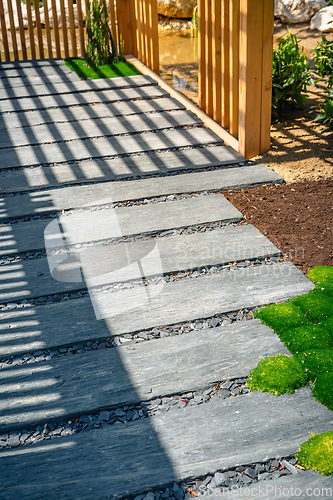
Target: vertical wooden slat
point(12, 29)
point(112, 15)
point(201, 55)
point(31, 30)
point(267, 63)
point(39, 30)
point(250, 74)
point(21, 28)
point(208, 57)
point(216, 49)
point(234, 67)
point(81, 30)
point(138, 29)
point(4, 32)
point(64, 28)
point(147, 32)
point(125, 13)
point(154, 46)
point(225, 121)
point(72, 28)
point(56, 28)
point(47, 29)
point(142, 34)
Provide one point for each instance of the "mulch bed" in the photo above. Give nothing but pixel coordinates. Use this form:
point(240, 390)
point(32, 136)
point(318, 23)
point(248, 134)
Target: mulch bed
point(296, 217)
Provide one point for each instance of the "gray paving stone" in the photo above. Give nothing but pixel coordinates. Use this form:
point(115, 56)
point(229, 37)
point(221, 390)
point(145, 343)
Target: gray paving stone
point(229, 244)
point(114, 223)
point(72, 87)
point(97, 379)
point(32, 63)
point(129, 459)
point(46, 75)
point(105, 146)
point(77, 98)
point(100, 127)
point(64, 323)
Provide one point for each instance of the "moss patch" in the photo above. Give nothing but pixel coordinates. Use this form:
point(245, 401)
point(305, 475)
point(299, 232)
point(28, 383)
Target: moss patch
point(322, 390)
point(306, 337)
point(80, 67)
point(316, 362)
point(317, 453)
point(277, 375)
point(281, 317)
point(315, 305)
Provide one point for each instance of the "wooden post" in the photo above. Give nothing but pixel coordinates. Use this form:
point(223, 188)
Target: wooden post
point(225, 65)
point(12, 29)
point(64, 28)
point(125, 15)
point(145, 13)
point(250, 74)
point(47, 29)
point(267, 64)
point(39, 30)
point(201, 55)
point(217, 68)
point(72, 28)
point(208, 57)
point(31, 30)
point(138, 29)
point(4, 32)
point(112, 14)
point(56, 28)
point(81, 30)
point(22, 34)
point(234, 67)
point(154, 49)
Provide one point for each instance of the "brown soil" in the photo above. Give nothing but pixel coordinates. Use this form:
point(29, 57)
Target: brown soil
point(296, 217)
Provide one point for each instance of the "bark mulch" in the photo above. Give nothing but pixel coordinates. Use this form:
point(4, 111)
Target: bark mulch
point(296, 217)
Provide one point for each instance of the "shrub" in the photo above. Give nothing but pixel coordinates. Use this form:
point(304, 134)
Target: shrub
point(317, 453)
point(290, 76)
point(100, 47)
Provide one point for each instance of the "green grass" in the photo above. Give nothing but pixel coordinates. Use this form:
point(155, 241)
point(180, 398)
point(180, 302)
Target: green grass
point(317, 453)
point(277, 375)
point(80, 67)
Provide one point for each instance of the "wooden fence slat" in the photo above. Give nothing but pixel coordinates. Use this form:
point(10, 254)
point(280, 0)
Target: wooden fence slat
point(138, 29)
point(250, 71)
point(201, 55)
point(72, 28)
point(267, 63)
point(4, 32)
point(125, 13)
point(81, 30)
point(217, 69)
point(64, 28)
point(12, 30)
point(39, 30)
point(154, 44)
point(47, 29)
point(225, 64)
point(208, 57)
point(141, 3)
point(234, 66)
point(31, 30)
point(21, 28)
point(56, 28)
point(112, 15)
point(147, 31)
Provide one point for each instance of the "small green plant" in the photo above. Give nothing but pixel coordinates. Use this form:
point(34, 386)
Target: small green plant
point(323, 58)
point(325, 117)
point(100, 47)
point(194, 26)
point(277, 375)
point(317, 453)
point(290, 76)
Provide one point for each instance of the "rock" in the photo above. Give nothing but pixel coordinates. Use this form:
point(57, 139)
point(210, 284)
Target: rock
point(323, 20)
point(176, 8)
point(297, 11)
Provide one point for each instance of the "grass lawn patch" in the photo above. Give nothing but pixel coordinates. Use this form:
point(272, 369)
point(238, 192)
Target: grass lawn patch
point(277, 375)
point(317, 453)
point(81, 68)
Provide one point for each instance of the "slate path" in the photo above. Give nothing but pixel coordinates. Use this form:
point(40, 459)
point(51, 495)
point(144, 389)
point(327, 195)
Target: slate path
point(122, 266)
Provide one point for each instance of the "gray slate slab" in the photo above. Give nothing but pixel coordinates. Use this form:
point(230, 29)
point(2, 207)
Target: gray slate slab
point(46, 78)
point(127, 459)
point(105, 146)
point(6, 74)
point(87, 112)
point(72, 87)
point(116, 168)
point(121, 377)
point(64, 323)
point(51, 201)
point(80, 98)
point(183, 252)
point(306, 484)
point(114, 223)
point(99, 127)
point(32, 63)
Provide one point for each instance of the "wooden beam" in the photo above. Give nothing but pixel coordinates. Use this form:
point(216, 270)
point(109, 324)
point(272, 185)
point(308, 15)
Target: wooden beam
point(125, 9)
point(201, 55)
point(234, 67)
point(225, 64)
point(267, 64)
point(217, 67)
point(154, 44)
point(208, 57)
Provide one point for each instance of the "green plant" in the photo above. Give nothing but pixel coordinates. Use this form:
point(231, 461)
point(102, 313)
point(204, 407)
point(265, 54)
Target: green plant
point(324, 59)
point(100, 47)
point(317, 453)
point(290, 76)
point(119, 68)
point(321, 390)
point(277, 375)
point(326, 115)
point(194, 26)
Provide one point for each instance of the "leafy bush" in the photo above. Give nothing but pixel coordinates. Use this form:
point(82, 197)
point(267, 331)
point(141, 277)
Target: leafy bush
point(100, 47)
point(326, 115)
point(324, 58)
point(317, 453)
point(290, 76)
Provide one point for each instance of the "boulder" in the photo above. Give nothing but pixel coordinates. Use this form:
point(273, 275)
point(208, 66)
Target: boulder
point(323, 20)
point(176, 8)
point(297, 11)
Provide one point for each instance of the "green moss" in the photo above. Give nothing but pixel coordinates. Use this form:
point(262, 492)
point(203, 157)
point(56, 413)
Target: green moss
point(306, 337)
point(315, 305)
point(323, 390)
point(322, 276)
point(281, 317)
point(80, 67)
point(316, 362)
point(277, 375)
point(317, 453)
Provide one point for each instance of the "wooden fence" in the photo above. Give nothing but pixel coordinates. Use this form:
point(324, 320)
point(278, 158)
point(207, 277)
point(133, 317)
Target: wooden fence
point(235, 68)
point(57, 29)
